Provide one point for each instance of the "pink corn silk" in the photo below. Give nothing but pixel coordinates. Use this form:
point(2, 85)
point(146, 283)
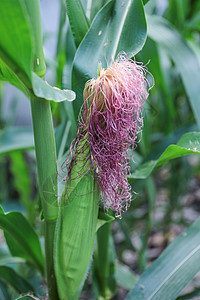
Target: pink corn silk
point(111, 119)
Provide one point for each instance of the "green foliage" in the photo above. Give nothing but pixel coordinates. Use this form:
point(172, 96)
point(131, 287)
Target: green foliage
point(16, 281)
point(75, 232)
point(125, 277)
point(171, 272)
point(188, 144)
point(126, 32)
point(79, 26)
point(15, 30)
point(21, 238)
point(97, 32)
point(17, 66)
point(182, 55)
point(16, 138)
point(22, 182)
point(105, 272)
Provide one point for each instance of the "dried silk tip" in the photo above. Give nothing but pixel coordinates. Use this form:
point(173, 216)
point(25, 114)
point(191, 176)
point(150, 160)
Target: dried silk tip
point(111, 119)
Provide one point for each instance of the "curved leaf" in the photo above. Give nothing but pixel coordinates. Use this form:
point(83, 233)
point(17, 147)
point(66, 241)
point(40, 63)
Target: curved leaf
point(16, 65)
point(16, 138)
point(182, 55)
point(15, 280)
point(43, 90)
point(21, 238)
point(173, 270)
point(7, 75)
point(119, 26)
point(189, 143)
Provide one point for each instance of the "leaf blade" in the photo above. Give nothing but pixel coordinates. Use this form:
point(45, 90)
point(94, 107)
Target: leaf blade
point(16, 138)
point(182, 55)
point(188, 144)
point(78, 21)
point(111, 31)
point(15, 280)
point(171, 272)
point(15, 30)
point(21, 238)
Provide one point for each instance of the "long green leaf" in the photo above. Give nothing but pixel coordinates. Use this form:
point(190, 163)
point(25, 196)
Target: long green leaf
point(75, 233)
point(15, 280)
point(119, 26)
point(182, 55)
point(173, 270)
point(4, 295)
point(188, 144)
point(21, 238)
point(16, 138)
point(15, 39)
point(78, 21)
point(94, 8)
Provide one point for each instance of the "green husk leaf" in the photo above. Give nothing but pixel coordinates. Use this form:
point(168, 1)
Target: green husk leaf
point(75, 231)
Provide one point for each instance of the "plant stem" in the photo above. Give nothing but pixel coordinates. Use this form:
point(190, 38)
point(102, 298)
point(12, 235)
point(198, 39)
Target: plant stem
point(47, 174)
point(103, 263)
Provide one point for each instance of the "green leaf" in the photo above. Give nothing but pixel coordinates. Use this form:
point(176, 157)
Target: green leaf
point(167, 109)
point(22, 182)
point(119, 26)
point(15, 280)
point(173, 270)
point(182, 55)
point(188, 144)
point(75, 232)
point(43, 90)
point(16, 138)
point(33, 12)
point(78, 21)
point(19, 28)
point(7, 258)
point(4, 295)
point(15, 32)
point(125, 277)
point(7, 75)
point(21, 238)
point(95, 7)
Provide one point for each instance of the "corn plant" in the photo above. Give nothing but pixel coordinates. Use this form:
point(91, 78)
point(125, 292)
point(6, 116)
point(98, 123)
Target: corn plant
point(87, 168)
